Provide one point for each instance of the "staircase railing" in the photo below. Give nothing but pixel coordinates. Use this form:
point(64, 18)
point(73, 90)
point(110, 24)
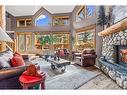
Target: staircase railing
point(11, 46)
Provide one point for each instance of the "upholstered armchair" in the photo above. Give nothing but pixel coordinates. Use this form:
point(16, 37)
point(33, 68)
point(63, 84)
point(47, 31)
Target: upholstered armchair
point(86, 58)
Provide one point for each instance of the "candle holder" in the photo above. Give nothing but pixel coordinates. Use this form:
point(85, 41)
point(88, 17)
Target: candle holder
point(58, 57)
point(55, 57)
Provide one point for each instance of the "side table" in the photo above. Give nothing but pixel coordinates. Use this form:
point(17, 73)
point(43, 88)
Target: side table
point(30, 81)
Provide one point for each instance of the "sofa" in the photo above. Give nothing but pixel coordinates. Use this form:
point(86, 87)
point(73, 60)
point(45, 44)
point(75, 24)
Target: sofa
point(9, 76)
point(85, 58)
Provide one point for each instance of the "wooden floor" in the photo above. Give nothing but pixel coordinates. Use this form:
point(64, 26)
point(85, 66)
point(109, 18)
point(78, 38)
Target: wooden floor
point(101, 81)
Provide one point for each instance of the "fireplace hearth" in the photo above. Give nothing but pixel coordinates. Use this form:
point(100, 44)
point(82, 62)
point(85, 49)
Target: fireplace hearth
point(114, 58)
point(117, 69)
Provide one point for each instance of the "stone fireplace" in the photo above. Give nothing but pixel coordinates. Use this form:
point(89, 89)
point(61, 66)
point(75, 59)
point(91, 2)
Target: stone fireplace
point(110, 44)
point(113, 61)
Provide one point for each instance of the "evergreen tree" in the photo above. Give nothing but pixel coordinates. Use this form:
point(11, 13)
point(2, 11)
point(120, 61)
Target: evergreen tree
point(102, 18)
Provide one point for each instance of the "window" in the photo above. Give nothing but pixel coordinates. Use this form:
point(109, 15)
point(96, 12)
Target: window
point(85, 39)
point(42, 20)
point(28, 22)
point(21, 43)
point(84, 12)
point(90, 10)
point(61, 40)
point(42, 41)
point(60, 20)
point(28, 42)
point(24, 22)
point(24, 42)
point(81, 14)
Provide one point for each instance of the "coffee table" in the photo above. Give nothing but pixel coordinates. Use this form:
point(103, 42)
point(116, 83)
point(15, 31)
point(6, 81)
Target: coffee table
point(59, 64)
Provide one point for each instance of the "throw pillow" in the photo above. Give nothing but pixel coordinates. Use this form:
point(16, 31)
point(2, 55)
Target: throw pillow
point(4, 63)
point(62, 53)
point(17, 60)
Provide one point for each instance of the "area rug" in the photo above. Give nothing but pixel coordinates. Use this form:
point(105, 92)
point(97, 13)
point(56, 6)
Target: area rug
point(73, 78)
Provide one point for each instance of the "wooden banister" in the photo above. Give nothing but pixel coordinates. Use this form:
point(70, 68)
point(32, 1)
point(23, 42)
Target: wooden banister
point(11, 46)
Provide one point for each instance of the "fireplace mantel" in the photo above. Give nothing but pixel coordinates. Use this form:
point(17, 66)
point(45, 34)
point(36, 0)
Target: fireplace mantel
point(122, 25)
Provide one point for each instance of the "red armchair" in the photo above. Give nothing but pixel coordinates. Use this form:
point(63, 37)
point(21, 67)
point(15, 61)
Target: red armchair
point(86, 58)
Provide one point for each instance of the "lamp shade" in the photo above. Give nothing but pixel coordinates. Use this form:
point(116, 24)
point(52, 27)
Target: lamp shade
point(4, 36)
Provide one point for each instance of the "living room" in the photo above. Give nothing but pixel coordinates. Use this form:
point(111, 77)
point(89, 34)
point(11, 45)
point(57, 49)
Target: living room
point(70, 47)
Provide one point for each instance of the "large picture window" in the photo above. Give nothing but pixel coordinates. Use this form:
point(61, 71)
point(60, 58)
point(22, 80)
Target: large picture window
point(85, 39)
point(42, 20)
point(42, 41)
point(61, 41)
